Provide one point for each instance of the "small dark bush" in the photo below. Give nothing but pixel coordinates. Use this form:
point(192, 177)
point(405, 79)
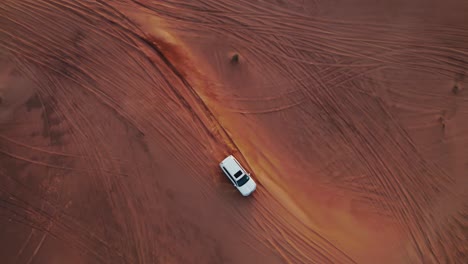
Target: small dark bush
point(455, 89)
point(235, 58)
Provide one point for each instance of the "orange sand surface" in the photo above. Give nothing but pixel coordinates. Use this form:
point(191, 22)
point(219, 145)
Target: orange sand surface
point(352, 117)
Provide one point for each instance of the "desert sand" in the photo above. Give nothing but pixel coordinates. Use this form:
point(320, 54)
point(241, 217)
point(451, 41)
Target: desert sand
point(352, 116)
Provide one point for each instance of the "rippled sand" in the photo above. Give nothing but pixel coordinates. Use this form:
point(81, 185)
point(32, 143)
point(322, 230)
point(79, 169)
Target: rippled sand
point(352, 118)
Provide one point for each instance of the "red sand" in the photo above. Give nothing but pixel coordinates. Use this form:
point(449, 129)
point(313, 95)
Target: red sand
point(351, 116)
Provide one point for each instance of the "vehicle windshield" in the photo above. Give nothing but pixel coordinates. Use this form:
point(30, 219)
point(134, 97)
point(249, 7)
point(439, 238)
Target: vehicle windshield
point(243, 180)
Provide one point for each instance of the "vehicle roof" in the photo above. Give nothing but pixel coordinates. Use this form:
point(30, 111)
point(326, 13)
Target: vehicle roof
point(231, 165)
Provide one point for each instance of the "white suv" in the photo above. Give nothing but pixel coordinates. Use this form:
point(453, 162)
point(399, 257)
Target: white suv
point(238, 176)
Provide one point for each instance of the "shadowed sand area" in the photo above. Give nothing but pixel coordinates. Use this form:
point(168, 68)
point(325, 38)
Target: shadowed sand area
point(352, 118)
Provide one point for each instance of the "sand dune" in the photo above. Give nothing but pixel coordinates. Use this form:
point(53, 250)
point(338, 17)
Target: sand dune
point(350, 116)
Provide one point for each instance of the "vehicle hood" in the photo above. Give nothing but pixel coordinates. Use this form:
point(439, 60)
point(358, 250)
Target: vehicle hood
point(248, 187)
